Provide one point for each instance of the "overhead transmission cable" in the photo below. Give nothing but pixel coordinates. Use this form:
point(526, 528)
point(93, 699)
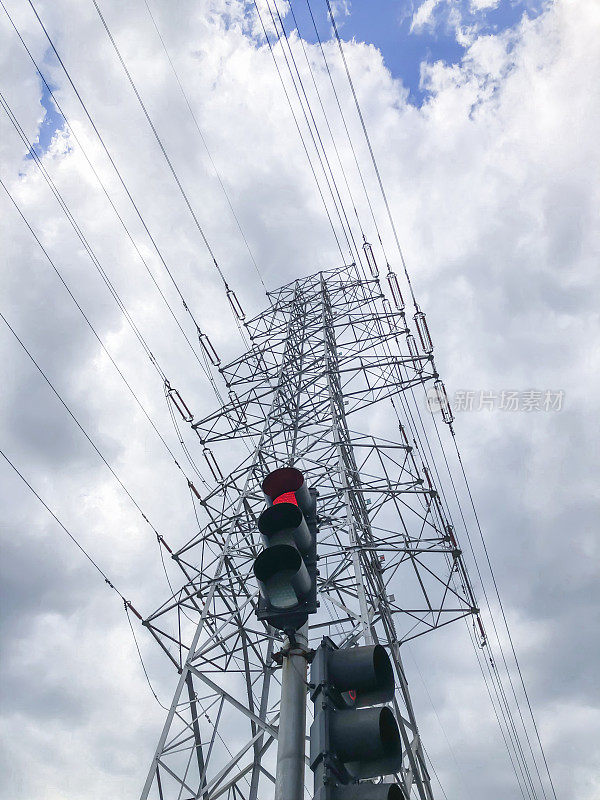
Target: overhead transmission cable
point(503, 613)
point(231, 297)
point(488, 605)
point(404, 265)
point(95, 261)
point(466, 790)
point(204, 366)
point(430, 462)
point(79, 425)
point(375, 167)
point(502, 699)
point(80, 235)
point(298, 128)
point(432, 466)
point(326, 118)
point(204, 142)
point(315, 134)
point(513, 739)
point(345, 124)
point(209, 356)
point(95, 333)
point(126, 603)
point(77, 544)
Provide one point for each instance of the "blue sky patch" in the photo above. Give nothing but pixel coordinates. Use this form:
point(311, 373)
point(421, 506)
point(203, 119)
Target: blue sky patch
point(53, 121)
point(387, 25)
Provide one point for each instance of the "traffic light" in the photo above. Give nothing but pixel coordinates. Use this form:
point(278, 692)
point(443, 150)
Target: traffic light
point(286, 570)
point(352, 737)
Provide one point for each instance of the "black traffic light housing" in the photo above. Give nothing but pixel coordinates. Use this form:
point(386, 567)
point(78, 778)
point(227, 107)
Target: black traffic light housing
point(351, 740)
point(286, 569)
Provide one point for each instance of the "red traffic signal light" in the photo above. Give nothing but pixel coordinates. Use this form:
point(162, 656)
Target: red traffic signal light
point(287, 481)
point(286, 568)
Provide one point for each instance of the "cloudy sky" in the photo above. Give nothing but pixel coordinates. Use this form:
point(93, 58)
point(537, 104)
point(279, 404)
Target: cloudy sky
point(485, 120)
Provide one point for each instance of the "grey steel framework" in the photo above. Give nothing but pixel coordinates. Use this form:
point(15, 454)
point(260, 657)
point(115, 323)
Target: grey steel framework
point(328, 364)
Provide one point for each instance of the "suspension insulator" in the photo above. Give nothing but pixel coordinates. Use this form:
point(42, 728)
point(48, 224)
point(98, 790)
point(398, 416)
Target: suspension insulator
point(414, 352)
point(443, 402)
point(371, 259)
point(413, 461)
point(438, 507)
point(210, 351)
point(450, 534)
point(387, 307)
point(392, 280)
point(180, 405)
point(237, 406)
point(423, 331)
point(135, 611)
point(212, 464)
point(403, 434)
point(428, 478)
point(235, 305)
point(162, 541)
point(194, 490)
point(483, 641)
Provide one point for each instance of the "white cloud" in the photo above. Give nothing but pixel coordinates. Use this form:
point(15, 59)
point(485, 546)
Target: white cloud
point(483, 5)
point(424, 15)
point(494, 186)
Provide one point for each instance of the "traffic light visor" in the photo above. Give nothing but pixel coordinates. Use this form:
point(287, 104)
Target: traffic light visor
point(282, 575)
point(285, 480)
point(367, 741)
point(365, 673)
point(285, 518)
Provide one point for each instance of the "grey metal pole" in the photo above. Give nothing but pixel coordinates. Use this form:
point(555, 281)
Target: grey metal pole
point(291, 749)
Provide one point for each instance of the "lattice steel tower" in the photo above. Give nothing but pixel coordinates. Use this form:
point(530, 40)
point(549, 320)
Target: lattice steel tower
point(330, 363)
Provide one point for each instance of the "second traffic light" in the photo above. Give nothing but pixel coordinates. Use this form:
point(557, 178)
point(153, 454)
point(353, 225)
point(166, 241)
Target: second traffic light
point(349, 739)
point(286, 569)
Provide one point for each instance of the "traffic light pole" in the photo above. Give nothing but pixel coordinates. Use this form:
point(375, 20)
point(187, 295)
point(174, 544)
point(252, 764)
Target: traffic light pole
point(291, 749)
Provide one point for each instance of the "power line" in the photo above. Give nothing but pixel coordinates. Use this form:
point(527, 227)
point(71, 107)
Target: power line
point(95, 333)
point(489, 609)
point(317, 140)
point(209, 355)
point(204, 366)
point(326, 118)
point(81, 237)
point(159, 141)
point(89, 250)
point(343, 118)
point(126, 603)
point(203, 140)
point(497, 591)
point(92, 561)
point(298, 128)
point(376, 168)
point(139, 652)
point(79, 425)
point(384, 196)
point(233, 302)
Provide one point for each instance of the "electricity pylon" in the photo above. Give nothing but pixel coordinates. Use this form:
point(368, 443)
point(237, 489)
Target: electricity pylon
point(329, 365)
